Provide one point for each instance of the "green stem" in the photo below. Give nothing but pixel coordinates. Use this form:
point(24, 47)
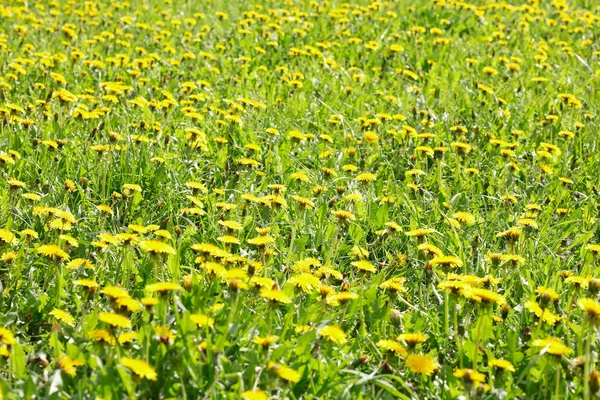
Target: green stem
point(58, 284)
point(363, 328)
point(557, 387)
point(588, 357)
point(458, 342)
point(477, 338)
point(291, 248)
point(447, 313)
point(384, 325)
point(333, 246)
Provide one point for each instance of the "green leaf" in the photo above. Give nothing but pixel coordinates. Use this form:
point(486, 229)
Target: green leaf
point(18, 360)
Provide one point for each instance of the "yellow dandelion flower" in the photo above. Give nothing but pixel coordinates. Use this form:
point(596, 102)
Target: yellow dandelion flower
point(6, 337)
point(68, 365)
point(343, 216)
point(554, 346)
point(469, 375)
point(503, 365)
point(334, 334)
point(392, 346)
point(447, 262)
point(261, 241)
point(591, 307)
point(63, 316)
point(255, 394)
point(395, 285)
point(306, 282)
point(140, 368)
point(53, 252)
point(156, 247)
point(115, 320)
point(366, 177)
point(114, 292)
point(265, 341)
point(336, 299)
point(128, 337)
point(284, 372)
point(162, 287)
point(413, 339)
point(364, 266)
point(418, 233)
point(275, 296)
point(102, 335)
point(421, 364)
point(202, 320)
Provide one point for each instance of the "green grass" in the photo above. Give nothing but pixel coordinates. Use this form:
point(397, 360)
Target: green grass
point(440, 101)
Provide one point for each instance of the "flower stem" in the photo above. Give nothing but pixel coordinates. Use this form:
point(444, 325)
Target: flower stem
point(588, 357)
point(333, 246)
point(458, 342)
point(447, 313)
point(477, 339)
point(557, 387)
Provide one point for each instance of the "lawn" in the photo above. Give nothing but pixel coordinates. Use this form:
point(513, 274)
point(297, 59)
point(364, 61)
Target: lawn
point(293, 199)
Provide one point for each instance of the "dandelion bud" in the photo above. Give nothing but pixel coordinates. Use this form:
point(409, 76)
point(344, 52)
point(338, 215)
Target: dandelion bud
point(325, 291)
point(187, 282)
point(386, 367)
point(545, 298)
point(396, 318)
point(594, 286)
point(345, 285)
point(428, 271)
point(594, 381)
point(505, 310)
point(480, 390)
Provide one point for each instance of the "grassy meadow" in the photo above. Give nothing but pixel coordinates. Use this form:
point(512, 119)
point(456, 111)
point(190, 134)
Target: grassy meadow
point(294, 199)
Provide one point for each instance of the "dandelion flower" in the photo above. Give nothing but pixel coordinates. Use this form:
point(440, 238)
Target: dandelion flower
point(413, 339)
point(140, 368)
point(469, 375)
point(285, 373)
point(255, 394)
point(502, 365)
point(306, 282)
point(53, 252)
point(418, 233)
point(334, 334)
point(421, 364)
point(63, 316)
point(392, 346)
point(162, 287)
point(555, 346)
point(591, 308)
point(275, 296)
point(395, 285)
point(364, 266)
point(202, 320)
point(343, 216)
point(447, 262)
point(6, 337)
point(115, 320)
point(266, 341)
point(156, 247)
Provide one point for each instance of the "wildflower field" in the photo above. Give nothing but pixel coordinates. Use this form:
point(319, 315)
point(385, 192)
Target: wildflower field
point(294, 199)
